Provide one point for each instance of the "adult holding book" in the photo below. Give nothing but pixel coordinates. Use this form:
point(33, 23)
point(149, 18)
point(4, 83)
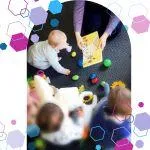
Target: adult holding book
point(90, 17)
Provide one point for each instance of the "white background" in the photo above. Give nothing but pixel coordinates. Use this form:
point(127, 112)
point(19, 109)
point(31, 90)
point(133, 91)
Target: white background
point(13, 65)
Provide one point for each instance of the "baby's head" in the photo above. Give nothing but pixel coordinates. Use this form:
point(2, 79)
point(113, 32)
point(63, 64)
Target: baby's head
point(58, 39)
point(50, 118)
point(119, 101)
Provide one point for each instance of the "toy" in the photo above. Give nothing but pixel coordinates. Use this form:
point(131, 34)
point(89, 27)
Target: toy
point(107, 63)
point(73, 54)
point(80, 63)
point(102, 83)
point(81, 88)
point(118, 83)
point(41, 74)
point(31, 82)
point(95, 80)
point(92, 76)
point(75, 77)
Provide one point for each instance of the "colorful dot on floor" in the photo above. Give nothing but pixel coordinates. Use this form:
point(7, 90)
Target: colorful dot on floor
point(54, 22)
point(13, 122)
point(141, 104)
point(98, 147)
point(139, 144)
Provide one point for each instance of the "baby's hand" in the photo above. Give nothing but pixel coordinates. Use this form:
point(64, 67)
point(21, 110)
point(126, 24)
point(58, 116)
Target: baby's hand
point(67, 72)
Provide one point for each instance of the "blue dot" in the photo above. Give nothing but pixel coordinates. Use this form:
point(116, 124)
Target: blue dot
point(98, 147)
point(3, 46)
point(54, 22)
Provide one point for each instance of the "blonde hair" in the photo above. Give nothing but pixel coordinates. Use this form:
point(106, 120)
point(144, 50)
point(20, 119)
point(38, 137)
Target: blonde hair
point(119, 101)
point(55, 37)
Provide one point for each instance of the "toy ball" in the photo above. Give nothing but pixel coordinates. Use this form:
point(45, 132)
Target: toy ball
point(92, 76)
point(102, 83)
point(95, 80)
point(80, 63)
point(75, 77)
point(107, 63)
point(74, 54)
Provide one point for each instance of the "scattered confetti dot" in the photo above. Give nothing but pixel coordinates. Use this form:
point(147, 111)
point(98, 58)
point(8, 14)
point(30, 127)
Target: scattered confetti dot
point(139, 144)
point(13, 122)
point(141, 104)
point(98, 147)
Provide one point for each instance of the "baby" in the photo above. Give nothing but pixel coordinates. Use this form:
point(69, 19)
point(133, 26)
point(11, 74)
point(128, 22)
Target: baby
point(44, 54)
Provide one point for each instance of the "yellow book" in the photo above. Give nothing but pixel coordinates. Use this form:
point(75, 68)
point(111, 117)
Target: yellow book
point(92, 54)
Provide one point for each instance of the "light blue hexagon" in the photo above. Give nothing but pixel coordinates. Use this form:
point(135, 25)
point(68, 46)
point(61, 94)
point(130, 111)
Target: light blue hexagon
point(55, 7)
point(99, 131)
point(54, 22)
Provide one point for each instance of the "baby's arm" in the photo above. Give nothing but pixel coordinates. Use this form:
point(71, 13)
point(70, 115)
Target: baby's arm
point(54, 61)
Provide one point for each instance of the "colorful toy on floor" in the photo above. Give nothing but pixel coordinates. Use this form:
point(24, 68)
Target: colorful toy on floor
point(95, 80)
point(80, 63)
point(31, 82)
point(117, 83)
point(92, 76)
point(41, 74)
point(73, 54)
point(107, 63)
point(75, 77)
point(87, 97)
point(102, 83)
point(81, 88)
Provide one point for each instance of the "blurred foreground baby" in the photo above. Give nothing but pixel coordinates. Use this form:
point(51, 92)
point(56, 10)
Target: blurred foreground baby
point(113, 112)
point(44, 54)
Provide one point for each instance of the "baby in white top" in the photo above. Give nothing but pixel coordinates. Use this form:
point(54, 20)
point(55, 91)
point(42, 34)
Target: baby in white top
point(44, 54)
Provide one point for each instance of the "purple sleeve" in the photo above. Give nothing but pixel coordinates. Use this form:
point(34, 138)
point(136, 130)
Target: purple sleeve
point(113, 22)
point(78, 15)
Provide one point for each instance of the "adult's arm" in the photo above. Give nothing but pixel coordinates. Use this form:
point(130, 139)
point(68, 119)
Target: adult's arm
point(78, 15)
point(113, 22)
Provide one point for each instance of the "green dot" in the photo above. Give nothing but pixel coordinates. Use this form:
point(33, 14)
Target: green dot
point(107, 63)
point(75, 77)
point(39, 144)
point(73, 54)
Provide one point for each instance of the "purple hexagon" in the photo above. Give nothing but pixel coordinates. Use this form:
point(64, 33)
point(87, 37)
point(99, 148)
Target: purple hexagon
point(19, 42)
point(123, 144)
point(97, 133)
point(38, 16)
point(116, 132)
point(15, 139)
point(142, 121)
point(140, 24)
point(34, 38)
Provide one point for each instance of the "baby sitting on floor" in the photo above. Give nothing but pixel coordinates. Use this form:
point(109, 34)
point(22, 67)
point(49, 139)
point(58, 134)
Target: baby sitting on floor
point(44, 54)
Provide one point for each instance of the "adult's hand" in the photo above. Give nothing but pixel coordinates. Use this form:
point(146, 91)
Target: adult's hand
point(103, 40)
point(79, 39)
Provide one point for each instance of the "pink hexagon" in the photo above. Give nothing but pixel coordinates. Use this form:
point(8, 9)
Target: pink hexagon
point(140, 24)
point(19, 42)
point(123, 144)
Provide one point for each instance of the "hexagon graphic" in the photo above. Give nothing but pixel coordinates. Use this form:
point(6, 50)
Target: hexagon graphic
point(54, 22)
point(3, 46)
point(3, 136)
point(24, 12)
point(34, 38)
point(140, 24)
point(123, 144)
point(139, 133)
point(15, 6)
point(19, 42)
point(38, 16)
point(15, 27)
point(97, 133)
point(31, 146)
point(116, 132)
point(33, 131)
point(55, 7)
point(142, 121)
point(2, 127)
point(15, 139)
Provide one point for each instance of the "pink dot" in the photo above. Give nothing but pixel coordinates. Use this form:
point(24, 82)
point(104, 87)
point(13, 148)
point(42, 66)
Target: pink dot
point(13, 122)
point(141, 104)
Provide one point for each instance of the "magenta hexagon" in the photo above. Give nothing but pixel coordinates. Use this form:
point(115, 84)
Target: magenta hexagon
point(38, 16)
point(140, 24)
point(15, 139)
point(123, 144)
point(19, 42)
